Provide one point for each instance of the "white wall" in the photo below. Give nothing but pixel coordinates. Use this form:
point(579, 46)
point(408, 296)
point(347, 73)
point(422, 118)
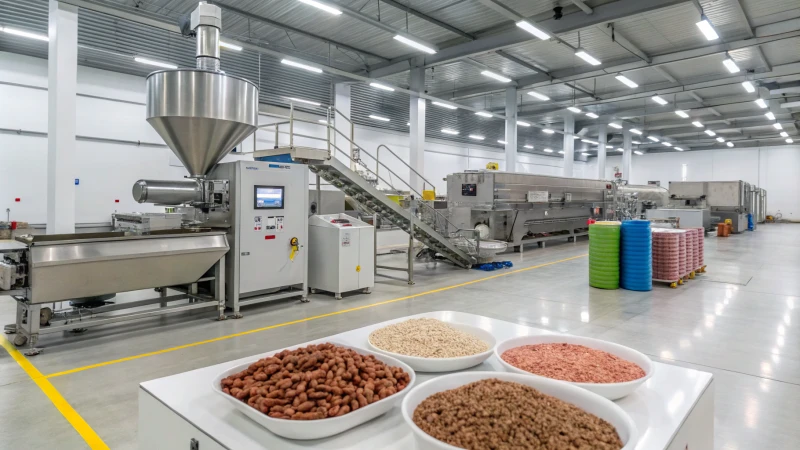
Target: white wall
point(772, 168)
point(111, 106)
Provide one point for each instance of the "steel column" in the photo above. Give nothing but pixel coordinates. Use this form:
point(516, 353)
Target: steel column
point(627, 155)
point(511, 129)
point(62, 70)
point(417, 128)
point(601, 151)
point(569, 144)
point(341, 119)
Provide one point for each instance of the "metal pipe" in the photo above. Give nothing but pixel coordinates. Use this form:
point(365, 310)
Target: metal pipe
point(167, 192)
point(207, 48)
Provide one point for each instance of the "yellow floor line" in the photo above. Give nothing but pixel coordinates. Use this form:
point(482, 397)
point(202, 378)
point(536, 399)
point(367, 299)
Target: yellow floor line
point(69, 413)
point(307, 319)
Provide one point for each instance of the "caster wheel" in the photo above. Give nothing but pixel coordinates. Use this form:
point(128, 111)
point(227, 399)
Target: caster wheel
point(691, 276)
point(337, 296)
point(303, 299)
point(680, 281)
point(20, 340)
point(237, 316)
point(673, 285)
point(367, 291)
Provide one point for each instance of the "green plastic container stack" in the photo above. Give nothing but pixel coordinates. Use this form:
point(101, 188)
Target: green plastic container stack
point(604, 255)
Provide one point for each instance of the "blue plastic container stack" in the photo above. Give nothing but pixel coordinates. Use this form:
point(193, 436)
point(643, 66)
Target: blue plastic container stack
point(636, 256)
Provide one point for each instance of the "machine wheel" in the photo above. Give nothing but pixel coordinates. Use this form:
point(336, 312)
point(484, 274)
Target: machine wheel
point(304, 299)
point(337, 295)
point(691, 275)
point(367, 291)
point(20, 340)
point(673, 285)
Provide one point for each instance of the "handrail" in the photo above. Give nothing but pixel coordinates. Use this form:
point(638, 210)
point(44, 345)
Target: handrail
point(291, 119)
point(424, 180)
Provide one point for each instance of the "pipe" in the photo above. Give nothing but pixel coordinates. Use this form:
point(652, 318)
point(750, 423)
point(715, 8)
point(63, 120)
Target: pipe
point(167, 192)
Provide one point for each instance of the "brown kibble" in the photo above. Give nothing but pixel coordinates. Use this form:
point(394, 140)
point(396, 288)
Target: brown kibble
point(513, 414)
point(313, 382)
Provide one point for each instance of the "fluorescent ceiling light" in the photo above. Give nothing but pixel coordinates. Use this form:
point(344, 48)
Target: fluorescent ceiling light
point(528, 146)
point(720, 139)
point(326, 8)
point(659, 100)
point(497, 77)
point(581, 53)
point(500, 141)
point(550, 150)
point(477, 137)
point(574, 109)
point(523, 124)
point(589, 141)
point(707, 29)
point(449, 131)
point(609, 146)
point(770, 116)
point(636, 142)
point(382, 86)
point(289, 62)
point(382, 119)
point(414, 44)
point(710, 133)
point(300, 100)
point(698, 124)
point(748, 86)
point(784, 134)
point(635, 131)
point(789, 141)
point(777, 126)
point(576, 136)
point(627, 81)
point(538, 95)
point(729, 144)
point(322, 121)
point(638, 152)
point(15, 32)
point(760, 102)
point(230, 46)
point(150, 62)
point(561, 152)
point(592, 115)
point(730, 65)
point(547, 130)
point(615, 125)
point(667, 144)
point(533, 30)
point(584, 154)
point(653, 138)
point(620, 149)
point(445, 105)
point(483, 114)
point(408, 124)
point(678, 149)
point(682, 114)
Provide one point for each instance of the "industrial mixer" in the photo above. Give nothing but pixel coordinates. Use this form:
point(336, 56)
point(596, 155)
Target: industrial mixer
point(257, 209)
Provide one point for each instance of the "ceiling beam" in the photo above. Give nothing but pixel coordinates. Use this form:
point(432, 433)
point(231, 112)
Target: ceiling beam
point(663, 72)
point(502, 9)
point(513, 36)
point(583, 6)
point(429, 19)
point(281, 26)
point(623, 42)
point(700, 100)
point(628, 64)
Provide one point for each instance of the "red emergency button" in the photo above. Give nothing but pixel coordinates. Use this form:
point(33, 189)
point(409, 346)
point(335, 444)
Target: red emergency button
point(269, 237)
point(17, 199)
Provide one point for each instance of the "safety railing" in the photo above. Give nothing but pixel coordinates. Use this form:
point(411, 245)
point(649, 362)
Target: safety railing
point(451, 229)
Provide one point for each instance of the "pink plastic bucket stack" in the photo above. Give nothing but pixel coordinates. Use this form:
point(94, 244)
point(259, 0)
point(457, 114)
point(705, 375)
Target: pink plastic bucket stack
point(669, 251)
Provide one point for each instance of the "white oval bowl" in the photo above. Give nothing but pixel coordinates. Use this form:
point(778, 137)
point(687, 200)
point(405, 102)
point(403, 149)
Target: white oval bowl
point(446, 364)
point(587, 401)
point(322, 428)
point(611, 391)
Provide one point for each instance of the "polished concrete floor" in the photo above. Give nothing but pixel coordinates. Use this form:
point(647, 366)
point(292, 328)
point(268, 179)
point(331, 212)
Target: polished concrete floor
point(740, 321)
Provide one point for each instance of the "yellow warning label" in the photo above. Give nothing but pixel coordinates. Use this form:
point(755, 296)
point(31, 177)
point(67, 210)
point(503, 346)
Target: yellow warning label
point(358, 268)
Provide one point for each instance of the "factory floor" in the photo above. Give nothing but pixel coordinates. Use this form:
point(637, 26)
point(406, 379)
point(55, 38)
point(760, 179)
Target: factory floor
point(740, 321)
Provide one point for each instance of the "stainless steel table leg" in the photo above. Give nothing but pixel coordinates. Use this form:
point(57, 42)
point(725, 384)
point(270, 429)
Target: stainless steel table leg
point(219, 287)
point(411, 253)
point(31, 329)
point(163, 293)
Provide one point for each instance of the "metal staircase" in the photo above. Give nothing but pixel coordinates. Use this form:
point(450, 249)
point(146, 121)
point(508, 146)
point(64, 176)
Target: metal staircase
point(420, 220)
point(351, 183)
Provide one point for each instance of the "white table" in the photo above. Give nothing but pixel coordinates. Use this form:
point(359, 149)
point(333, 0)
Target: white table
point(674, 410)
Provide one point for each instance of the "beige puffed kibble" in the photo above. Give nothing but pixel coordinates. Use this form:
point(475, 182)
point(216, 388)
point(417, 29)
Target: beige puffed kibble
point(426, 338)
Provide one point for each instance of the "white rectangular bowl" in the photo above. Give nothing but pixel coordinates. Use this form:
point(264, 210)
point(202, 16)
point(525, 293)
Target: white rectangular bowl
point(322, 428)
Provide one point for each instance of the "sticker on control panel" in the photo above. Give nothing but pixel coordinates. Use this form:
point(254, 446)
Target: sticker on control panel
point(270, 225)
point(279, 224)
point(345, 239)
point(257, 223)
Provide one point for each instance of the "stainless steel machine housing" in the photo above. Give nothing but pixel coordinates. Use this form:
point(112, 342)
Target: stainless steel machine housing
point(725, 200)
point(521, 208)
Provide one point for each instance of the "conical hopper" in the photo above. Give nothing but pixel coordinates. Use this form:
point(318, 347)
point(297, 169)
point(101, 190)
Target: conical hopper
point(201, 115)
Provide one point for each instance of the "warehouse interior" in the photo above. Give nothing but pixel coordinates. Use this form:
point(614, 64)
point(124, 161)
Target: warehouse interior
point(194, 193)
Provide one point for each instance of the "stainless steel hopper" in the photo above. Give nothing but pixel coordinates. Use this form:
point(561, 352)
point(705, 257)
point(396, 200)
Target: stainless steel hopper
point(202, 113)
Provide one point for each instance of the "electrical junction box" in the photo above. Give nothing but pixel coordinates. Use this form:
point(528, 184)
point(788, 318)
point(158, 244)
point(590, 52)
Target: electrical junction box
point(341, 254)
